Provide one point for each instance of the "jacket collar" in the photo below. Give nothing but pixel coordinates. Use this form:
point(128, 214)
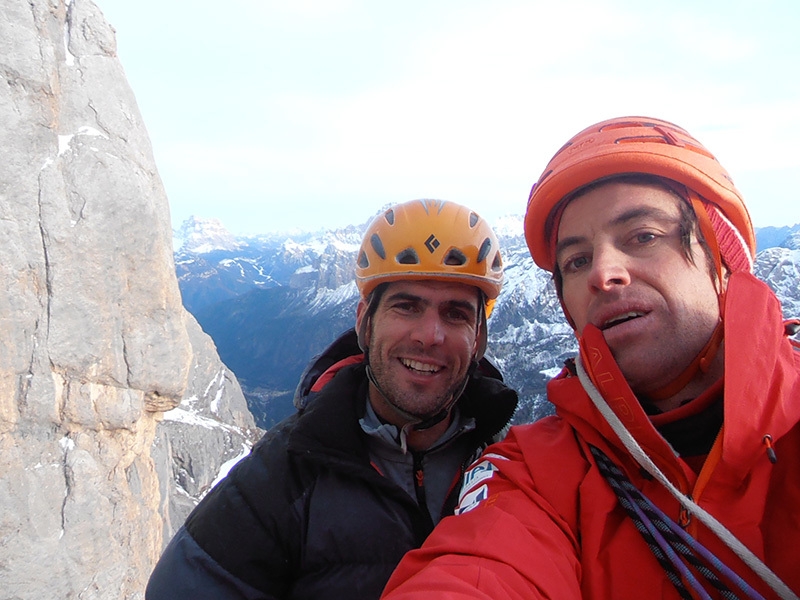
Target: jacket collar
point(329, 418)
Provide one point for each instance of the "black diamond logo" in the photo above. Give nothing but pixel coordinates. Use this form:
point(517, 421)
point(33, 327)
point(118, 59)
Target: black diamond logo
point(431, 243)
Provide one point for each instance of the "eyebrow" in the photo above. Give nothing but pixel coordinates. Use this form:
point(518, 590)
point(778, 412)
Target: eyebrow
point(469, 307)
point(403, 296)
point(621, 219)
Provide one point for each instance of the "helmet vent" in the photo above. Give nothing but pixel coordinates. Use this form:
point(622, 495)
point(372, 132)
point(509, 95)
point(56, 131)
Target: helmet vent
point(497, 264)
point(377, 245)
point(627, 125)
point(407, 257)
point(660, 139)
point(486, 246)
point(428, 240)
point(455, 258)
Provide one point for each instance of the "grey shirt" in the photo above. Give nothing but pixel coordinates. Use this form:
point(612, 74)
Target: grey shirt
point(441, 463)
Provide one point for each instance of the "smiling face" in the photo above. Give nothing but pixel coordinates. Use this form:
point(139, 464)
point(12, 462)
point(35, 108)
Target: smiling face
point(624, 270)
point(421, 339)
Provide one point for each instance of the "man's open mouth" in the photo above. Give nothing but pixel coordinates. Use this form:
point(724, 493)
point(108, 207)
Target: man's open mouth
point(418, 366)
point(623, 318)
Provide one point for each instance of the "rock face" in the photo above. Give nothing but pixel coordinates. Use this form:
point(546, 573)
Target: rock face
point(200, 439)
point(95, 344)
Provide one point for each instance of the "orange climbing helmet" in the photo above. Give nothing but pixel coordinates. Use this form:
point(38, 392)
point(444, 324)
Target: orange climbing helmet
point(430, 239)
point(629, 145)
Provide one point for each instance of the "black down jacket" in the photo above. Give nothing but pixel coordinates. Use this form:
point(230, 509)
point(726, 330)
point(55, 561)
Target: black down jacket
point(305, 515)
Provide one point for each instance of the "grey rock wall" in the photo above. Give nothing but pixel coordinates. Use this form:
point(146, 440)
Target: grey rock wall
point(200, 439)
point(94, 343)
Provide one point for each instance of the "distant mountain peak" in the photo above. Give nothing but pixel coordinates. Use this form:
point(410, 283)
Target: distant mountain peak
point(200, 236)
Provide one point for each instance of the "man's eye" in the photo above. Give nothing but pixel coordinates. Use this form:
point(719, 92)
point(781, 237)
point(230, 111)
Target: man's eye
point(457, 315)
point(405, 306)
point(574, 264)
point(645, 237)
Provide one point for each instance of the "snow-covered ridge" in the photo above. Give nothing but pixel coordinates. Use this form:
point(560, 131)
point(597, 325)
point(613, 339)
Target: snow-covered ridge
point(528, 336)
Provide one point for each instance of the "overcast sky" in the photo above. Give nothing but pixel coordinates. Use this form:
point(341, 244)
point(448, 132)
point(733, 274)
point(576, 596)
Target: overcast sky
point(309, 113)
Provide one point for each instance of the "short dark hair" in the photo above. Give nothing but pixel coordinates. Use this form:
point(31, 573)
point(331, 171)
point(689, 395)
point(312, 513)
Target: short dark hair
point(374, 298)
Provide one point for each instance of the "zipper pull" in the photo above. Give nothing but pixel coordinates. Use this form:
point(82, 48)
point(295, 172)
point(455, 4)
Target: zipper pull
point(684, 518)
point(773, 458)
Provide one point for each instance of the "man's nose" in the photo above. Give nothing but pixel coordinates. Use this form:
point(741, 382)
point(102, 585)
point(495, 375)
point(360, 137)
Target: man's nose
point(429, 329)
point(609, 269)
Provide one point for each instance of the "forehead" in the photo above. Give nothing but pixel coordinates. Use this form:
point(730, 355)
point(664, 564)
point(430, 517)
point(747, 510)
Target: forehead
point(433, 291)
point(616, 203)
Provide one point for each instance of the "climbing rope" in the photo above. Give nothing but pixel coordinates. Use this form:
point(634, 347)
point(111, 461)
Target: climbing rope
point(640, 456)
point(670, 544)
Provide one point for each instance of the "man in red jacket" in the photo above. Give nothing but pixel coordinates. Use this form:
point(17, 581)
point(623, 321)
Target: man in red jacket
point(672, 466)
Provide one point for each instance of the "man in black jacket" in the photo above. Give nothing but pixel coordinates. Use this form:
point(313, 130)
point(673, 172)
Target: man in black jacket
point(389, 416)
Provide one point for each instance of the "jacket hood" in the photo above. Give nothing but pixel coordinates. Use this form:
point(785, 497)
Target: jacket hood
point(342, 351)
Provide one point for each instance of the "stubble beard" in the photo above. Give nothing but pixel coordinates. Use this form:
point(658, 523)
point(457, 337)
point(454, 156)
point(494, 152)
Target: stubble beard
point(423, 403)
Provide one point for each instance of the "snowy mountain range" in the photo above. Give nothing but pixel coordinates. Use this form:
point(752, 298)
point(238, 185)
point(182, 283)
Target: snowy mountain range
point(272, 302)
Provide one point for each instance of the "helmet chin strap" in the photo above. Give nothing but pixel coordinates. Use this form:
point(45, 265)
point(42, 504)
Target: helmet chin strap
point(701, 363)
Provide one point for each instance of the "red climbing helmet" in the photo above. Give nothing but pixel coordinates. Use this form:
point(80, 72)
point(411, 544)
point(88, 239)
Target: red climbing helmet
point(628, 145)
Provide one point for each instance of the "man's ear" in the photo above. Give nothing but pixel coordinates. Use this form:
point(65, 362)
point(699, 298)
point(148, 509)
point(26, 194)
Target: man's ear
point(362, 323)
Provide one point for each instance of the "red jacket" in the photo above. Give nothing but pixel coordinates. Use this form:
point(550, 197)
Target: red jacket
point(542, 522)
